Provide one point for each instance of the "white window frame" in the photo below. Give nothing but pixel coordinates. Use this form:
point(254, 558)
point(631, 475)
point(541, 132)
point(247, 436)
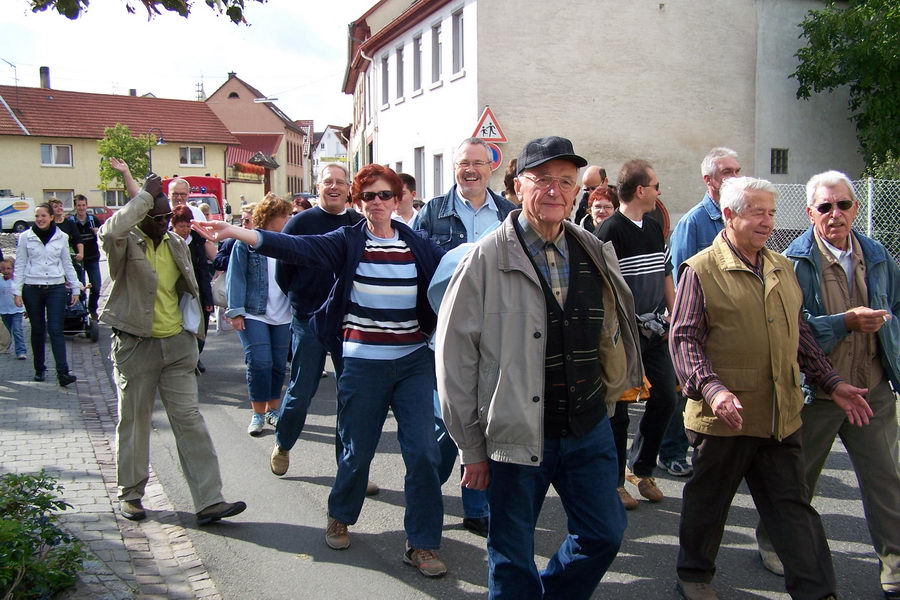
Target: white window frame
point(67, 197)
point(436, 51)
point(385, 81)
point(120, 198)
point(417, 62)
point(398, 58)
point(419, 168)
point(459, 57)
point(53, 156)
point(437, 161)
point(189, 163)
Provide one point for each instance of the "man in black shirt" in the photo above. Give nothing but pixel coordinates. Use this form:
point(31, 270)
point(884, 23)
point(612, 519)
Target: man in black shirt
point(647, 269)
point(85, 227)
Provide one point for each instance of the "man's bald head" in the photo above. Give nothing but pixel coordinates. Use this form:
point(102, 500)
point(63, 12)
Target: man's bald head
point(594, 177)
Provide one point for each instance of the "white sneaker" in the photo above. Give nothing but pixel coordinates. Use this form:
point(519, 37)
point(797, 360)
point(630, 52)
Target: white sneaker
point(256, 424)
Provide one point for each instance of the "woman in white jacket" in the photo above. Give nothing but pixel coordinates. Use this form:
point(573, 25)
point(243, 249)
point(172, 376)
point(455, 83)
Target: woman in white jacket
point(43, 267)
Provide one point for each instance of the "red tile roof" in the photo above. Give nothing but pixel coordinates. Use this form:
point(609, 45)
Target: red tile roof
point(60, 113)
point(250, 145)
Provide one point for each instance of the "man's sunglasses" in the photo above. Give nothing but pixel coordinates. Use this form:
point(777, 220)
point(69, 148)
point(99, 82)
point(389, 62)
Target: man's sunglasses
point(383, 194)
point(826, 207)
point(163, 218)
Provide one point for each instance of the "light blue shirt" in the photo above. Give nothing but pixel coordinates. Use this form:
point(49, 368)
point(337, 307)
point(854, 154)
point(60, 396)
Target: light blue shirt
point(7, 303)
point(478, 221)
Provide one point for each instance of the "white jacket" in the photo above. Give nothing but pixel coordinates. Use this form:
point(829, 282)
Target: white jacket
point(39, 264)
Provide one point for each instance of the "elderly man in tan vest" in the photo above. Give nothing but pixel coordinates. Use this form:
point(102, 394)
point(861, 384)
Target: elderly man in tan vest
point(739, 344)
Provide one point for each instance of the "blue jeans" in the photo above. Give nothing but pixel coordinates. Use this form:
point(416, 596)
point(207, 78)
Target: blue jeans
point(46, 307)
point(367, 389)
point(675, 444)
point(475, 504)
point(92, 267)
point(583, 472)
point(265, 353)
point(13, 323)
point(306, 370)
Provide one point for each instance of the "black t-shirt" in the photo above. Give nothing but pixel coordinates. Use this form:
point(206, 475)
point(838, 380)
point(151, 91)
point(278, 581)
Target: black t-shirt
point(68, 227)
point(86, 235)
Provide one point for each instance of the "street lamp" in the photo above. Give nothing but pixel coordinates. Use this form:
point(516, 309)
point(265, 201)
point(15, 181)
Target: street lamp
point(159, 142)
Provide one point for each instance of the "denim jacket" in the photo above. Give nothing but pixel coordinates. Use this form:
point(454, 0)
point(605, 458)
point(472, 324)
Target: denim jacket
point(440, 221)
point(695, 232)
point(246, 282)
point(883, 282)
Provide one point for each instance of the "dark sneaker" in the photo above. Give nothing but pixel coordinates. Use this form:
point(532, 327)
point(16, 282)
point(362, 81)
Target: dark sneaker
point(222, 510)
point(66, 379)
point(132, 510)
point(426, 561)
point(691, 590)
point(477, 525)
point(40, 376)
point(679, 467)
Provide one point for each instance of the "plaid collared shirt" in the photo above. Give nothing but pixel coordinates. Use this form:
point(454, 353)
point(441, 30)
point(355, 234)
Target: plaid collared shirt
point(551, 258)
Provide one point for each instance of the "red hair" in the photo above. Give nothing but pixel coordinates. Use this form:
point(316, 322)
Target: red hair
point(369, 174)
point(181, 214)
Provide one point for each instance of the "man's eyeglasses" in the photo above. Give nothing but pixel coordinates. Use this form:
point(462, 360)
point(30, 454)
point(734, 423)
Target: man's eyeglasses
point(383, 194)
point(465, 164)
point(334, 182)
point(655, 187)
point(179, 195)
point(163, 218)
point(543, 182)
point(826, 207)
point(589, 188)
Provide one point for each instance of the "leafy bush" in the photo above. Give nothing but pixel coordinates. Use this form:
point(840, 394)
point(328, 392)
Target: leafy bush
point(37, 558)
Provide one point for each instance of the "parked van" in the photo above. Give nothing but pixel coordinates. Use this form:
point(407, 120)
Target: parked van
point(16, 213)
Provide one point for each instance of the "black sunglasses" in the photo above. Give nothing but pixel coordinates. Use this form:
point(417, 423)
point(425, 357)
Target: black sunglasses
point(655, 187)
point(383, 194)
point(826, 207)
point(163, 218)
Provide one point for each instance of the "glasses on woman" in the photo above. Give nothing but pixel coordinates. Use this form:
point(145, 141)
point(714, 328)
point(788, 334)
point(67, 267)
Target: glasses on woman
point(383, 194)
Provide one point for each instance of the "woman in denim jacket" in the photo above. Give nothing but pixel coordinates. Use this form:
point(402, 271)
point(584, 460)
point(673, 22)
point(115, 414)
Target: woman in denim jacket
point(261, 314)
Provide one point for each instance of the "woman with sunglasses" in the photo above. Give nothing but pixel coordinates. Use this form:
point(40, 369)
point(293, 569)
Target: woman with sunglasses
point(43, 267)
point(378, 311)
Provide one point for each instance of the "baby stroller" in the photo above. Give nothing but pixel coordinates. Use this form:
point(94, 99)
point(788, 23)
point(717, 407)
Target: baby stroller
point(78, 321)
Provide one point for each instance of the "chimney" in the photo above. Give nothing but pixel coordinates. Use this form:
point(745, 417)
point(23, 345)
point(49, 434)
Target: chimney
point(45, 77)
point(232, 74)
point(132, 92)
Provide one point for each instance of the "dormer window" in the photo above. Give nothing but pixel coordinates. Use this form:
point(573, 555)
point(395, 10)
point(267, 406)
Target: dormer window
point(233, 95)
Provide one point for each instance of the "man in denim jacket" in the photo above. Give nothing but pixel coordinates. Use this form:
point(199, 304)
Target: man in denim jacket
point(851, 296)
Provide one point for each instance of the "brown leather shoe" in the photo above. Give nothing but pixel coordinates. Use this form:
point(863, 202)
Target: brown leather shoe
point(627, 499)
point(279, 461)
point(220, 510)
point(336, 535)
point(426, 561)
point(372, 488)
point(646, 486)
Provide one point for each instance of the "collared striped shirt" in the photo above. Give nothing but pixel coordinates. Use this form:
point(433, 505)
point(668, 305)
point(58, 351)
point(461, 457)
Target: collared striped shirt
point(551, 258)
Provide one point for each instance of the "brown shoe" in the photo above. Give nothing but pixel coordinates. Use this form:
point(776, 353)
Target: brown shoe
point(692, 590)
point(627, 499)
point(372, 488)
point(426, 561)
point(646, 486)
point(336, 535)
point(280, 461)
point(220, 510)
point(132, 510)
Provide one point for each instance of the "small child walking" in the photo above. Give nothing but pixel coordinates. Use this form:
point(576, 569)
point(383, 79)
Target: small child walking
point(10, 313)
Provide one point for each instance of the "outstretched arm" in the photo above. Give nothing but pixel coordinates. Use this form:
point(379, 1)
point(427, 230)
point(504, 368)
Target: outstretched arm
point(131, 186)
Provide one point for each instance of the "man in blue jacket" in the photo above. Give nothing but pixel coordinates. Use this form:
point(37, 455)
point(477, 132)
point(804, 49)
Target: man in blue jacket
point(851, 296)
point(462, 215)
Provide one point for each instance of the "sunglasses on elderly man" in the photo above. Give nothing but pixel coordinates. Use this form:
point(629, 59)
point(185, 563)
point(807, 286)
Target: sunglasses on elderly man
point(826, 207)
point(383, 194)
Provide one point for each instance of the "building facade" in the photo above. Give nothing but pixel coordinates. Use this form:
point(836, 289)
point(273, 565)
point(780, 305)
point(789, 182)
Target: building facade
point(329, 146)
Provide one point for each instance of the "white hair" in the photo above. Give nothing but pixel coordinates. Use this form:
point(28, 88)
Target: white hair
point(335, 166)
point(827, 179)
point(708, 166)
point(472, 141)
point(175, 182)
point(733, 194)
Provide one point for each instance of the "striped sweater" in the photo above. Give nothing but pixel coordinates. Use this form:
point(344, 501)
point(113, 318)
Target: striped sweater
point(381, 322)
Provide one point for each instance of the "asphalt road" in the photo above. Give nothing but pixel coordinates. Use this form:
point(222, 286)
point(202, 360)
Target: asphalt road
point(276, 550)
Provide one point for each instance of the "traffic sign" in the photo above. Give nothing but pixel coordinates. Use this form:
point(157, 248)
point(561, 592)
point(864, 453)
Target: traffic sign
point(488, 129)
point(496, 156)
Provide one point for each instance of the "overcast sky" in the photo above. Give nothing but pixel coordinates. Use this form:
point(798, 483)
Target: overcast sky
point(293, 50)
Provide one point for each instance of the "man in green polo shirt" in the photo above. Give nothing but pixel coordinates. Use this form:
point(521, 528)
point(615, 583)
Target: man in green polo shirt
point(154, 313)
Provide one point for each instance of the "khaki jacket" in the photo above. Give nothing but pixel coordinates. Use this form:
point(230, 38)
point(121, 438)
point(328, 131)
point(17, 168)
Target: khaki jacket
point(490, 346)
point(129, 305)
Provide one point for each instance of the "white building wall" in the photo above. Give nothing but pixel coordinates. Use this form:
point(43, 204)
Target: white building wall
point(440, 114)
point(817, 132)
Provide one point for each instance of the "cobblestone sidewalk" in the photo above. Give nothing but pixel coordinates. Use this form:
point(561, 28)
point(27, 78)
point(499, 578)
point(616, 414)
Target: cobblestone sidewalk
point(70, 432)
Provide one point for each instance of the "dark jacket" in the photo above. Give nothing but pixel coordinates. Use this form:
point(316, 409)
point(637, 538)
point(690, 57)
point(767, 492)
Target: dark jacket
point(340, 252)
point(223, 256)
point(438, 218)
point(201, 272)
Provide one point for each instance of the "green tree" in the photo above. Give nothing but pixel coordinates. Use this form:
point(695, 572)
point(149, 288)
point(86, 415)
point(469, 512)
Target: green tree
point(119, 143)
point(857, 46)
point(72, 9)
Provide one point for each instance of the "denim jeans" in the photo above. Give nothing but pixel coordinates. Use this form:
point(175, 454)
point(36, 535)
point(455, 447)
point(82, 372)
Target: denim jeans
point(265, 353)
point(583, 472)
point(475, 504)
point(46, 307)
point(367, 389)
point(675, 444)
point(13, 323)
point(92, 267)
point(657, 411)
point(307, 362)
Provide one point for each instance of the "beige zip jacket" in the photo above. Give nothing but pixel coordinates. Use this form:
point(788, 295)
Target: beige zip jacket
point(490, 344)
point(129, 305)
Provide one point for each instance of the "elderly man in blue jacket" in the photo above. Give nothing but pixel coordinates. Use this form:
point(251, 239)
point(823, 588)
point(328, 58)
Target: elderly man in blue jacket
point(851, 294)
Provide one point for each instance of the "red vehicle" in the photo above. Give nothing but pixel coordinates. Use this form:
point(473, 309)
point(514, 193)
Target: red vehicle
point(208, 190)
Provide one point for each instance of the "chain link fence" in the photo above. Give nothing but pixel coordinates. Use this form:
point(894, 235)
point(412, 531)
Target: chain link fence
point(878, 216)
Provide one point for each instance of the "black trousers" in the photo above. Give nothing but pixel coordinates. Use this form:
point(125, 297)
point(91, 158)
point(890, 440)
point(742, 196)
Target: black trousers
point(774, 473)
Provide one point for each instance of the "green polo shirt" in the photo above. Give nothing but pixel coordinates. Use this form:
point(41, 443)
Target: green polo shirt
point(166, 312)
